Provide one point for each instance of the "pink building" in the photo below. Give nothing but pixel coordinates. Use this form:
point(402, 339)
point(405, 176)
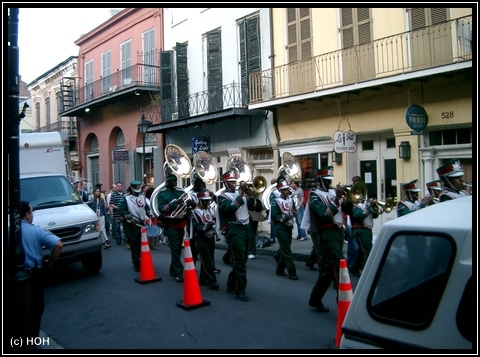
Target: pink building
point(118, 83)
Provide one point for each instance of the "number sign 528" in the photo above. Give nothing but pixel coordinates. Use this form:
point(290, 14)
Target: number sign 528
point(447, 115)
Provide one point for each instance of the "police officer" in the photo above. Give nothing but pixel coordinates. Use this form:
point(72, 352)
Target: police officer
point(33, 239)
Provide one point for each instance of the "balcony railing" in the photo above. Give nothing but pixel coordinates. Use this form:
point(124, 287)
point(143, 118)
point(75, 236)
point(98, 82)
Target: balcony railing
point(444, 43)
point(134, 76)
point(229, 96)
point(67, 125)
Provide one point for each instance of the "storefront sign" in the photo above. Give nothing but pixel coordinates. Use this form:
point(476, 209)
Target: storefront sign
point(417, 118)
point(120, 155)
point(200, 144)
point(344, 141)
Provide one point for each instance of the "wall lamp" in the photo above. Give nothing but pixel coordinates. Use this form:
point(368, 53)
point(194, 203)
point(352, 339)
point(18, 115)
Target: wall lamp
point(337, 157)
point(404, 150)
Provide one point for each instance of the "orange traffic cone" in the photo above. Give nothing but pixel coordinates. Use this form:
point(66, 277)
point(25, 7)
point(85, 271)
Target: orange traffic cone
point(147, 274)
point(344, 298)
point(192, 297)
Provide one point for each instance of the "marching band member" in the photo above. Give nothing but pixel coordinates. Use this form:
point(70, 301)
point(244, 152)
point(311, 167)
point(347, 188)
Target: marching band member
point(324, 219)
point(434, 189)
point(451, 175)
point(174, 227)
point(203, 221)
point(233, 207)
point(410, 202)
point(283, 214)
point(363, 214)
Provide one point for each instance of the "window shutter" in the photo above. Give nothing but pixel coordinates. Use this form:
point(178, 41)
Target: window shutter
point(182, 80)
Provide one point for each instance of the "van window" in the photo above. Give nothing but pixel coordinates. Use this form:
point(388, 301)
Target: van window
point(48, 191)
point(411, 279)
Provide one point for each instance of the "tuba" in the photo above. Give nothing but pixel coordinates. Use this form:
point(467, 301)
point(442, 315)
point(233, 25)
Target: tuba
point(291, 170)
point(243, 173)
point(178, 164)
point(357, 192)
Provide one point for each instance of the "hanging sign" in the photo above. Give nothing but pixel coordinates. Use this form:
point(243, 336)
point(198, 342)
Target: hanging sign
point(200, 144)
point(417, 118)
point(344, 141)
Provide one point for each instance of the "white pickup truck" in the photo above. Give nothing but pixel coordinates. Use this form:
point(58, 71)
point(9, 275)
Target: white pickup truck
point(417, 291)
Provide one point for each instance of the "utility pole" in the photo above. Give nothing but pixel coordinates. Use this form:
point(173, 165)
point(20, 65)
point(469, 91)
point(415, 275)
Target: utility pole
point(19, 318)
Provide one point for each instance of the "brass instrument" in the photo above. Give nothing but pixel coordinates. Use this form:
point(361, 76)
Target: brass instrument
point(291, 170)
point(384, 207)
point(176, 163)
point(358, 192)
point(244, 175)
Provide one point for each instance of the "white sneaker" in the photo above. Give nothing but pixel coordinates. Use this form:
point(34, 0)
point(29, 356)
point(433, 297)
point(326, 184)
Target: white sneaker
point(251, 256)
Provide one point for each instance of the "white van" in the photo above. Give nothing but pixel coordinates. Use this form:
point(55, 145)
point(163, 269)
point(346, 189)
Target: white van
point(416, 291)
point(44, 166)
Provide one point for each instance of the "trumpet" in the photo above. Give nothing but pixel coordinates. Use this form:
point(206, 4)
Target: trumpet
point(383, 207)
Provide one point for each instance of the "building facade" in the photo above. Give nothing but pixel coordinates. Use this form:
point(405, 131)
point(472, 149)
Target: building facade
point(361, 73)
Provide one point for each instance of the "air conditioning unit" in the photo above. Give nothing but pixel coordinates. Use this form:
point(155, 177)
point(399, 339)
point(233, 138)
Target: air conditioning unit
point(175, 116)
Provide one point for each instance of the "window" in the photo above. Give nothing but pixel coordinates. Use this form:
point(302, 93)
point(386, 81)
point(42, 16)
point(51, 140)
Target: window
point(450, 136)
point(367, 145)
point(149, 57)
point(89, 95)
point(126, 62)
point(411, 280)
point(299, 34)
point(47, 113)
point(106, 72)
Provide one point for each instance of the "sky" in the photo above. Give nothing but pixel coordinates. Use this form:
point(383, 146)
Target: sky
point(46, 36)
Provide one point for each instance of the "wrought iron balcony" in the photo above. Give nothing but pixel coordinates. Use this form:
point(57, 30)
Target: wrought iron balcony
point(230, 96)
point(432, 46)
point(109, 89)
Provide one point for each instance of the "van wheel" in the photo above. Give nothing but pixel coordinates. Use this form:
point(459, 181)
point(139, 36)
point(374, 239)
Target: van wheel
point(92, 263)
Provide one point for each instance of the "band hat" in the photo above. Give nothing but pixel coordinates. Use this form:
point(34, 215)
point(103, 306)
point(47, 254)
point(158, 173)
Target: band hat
point(229, 176)
point(171, 177)
point(435, 185)
point(77, 180)
point(204, 195)
point(451, 169)
point(283, 185)
point(412, 186)
point(325, 172)
point(135, 183)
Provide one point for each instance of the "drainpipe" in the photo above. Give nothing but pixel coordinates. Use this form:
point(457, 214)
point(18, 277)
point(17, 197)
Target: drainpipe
point(273, 110)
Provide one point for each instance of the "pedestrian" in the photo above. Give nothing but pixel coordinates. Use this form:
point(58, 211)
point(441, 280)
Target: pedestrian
point(233, 207)
point(363, 214)
point(134, 211)
point(283, 215)
point(451, 175)
point(203, 225)
point(410, 202)
point(97, 204)
point(300, 205)
point(169, 200)
point(34, 238)
point(115, 197)
point(324, 220)
point(77, 188)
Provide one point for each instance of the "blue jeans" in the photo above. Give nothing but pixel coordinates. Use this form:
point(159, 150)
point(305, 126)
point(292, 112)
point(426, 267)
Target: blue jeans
point(117, 233)
point(298, 218)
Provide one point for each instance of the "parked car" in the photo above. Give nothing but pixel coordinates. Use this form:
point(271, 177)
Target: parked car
point(416, 291)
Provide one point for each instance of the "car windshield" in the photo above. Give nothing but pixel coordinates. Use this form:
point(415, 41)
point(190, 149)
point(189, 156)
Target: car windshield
point(48, 191)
